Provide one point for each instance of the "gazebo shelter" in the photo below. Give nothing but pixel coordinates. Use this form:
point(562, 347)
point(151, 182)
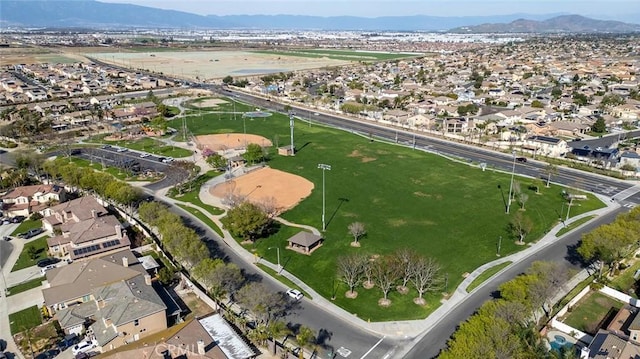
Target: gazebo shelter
point(305, 242)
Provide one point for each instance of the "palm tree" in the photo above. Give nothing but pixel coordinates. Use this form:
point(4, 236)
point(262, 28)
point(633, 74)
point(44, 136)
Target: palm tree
point(304, 338)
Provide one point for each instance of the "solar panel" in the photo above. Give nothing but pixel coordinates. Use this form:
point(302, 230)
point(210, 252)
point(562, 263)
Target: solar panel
point(112, 243)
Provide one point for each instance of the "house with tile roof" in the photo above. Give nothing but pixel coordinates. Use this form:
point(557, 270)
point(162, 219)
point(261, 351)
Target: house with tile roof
point(26, 200)
point(85, 229)
point(112, 298)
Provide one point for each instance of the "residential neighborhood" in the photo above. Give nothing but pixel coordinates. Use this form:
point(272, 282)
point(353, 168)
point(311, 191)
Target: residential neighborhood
point(519, 145)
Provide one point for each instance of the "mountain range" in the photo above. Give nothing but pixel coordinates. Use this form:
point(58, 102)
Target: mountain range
point(68, 14)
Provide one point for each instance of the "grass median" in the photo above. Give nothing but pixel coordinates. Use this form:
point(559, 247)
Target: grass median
point(486, 275)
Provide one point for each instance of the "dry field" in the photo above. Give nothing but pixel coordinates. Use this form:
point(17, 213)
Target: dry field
point(229, 141)
point(207, 65)
point(203, 65)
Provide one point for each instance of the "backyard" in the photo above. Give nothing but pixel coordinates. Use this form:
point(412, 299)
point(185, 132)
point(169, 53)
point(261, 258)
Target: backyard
point(590, 311)
point(405, 198)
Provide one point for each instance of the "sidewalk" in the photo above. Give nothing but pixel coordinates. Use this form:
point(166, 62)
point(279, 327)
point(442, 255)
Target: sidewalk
point(396, 329)
point(8, 302)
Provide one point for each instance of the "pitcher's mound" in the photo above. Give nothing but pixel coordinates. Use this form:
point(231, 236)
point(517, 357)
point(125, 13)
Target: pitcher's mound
point(267, 185)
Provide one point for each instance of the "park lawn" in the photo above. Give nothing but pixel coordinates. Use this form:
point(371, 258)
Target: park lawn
point(116, 172)
point(24, 261)
point(25, 319)
point(405, 198)
point(486, 275)
point(590, 311)
point(193, 196)
point(25, 286)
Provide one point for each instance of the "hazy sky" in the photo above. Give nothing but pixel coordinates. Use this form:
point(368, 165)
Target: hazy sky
point(374, 8)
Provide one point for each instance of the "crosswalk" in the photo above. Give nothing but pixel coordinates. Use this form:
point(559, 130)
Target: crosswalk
point(629, 205)
point(626, 193)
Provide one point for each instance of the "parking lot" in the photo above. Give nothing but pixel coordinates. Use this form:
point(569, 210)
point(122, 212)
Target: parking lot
point(135, 162)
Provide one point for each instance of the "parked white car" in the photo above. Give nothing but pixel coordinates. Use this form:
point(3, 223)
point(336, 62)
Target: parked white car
point(84, 346)
point(295, 294)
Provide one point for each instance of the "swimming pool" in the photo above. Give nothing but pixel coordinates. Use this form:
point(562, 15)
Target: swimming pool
point(560, 342)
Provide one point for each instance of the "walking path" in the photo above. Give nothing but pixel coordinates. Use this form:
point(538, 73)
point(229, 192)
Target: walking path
point(398, 329)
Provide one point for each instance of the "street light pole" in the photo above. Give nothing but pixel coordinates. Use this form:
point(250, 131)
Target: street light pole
point(323, 167)
point(278, 254)
point(513, 170)
point(291, 122)
point(569, 208)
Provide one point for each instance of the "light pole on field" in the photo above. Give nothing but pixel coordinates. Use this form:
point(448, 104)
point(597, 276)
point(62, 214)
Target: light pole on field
point(291, 122)
point(513, 170)
point(323, 167)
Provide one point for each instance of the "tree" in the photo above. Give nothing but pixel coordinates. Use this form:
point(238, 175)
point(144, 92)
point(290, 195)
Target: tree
point(537, 104)
point(305, 337)
point(166, 276)
point(228, 80)
point(253, 154)
point(550, 170)
point(203, 273)
point(350, 271)
point(385, 273)
point(550, 277)
point(227, 279)
point(599, 126)
point(520, 226)
point(246, 220)
point(522, 199)
point(357, 230)
point(217, 161)
point(261, 301)
point(405, 259)
point(32, 251)
point(608, 244)
point(425, 277)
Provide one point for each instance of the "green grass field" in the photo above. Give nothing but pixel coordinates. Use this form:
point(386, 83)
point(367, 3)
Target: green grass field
point(486, 275)
point(25, 286)
point(405, 198)
point(574, 225)
point(590, 311)
point(25, 319)
point(347, 55)
point(24, 260)
point(27, 225)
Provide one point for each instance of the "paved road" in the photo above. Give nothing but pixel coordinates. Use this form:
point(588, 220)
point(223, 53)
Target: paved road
point(561, 251)
point(335, 332)
point(467, 152)
point(430, 344)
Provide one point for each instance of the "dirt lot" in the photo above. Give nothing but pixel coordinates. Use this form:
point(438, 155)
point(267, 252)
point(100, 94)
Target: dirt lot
point(207, 65)
point(228, 141)
point(282, 189)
